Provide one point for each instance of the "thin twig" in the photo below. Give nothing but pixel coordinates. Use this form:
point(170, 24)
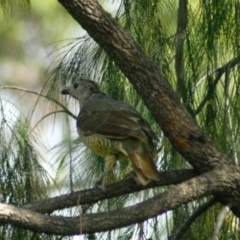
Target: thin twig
point(41, 95)
point(220, 71)
point(230, 64)
point(220, 220)
point(181, 230)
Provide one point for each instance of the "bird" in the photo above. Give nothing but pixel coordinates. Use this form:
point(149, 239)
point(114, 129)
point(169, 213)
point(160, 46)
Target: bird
point(114, 130)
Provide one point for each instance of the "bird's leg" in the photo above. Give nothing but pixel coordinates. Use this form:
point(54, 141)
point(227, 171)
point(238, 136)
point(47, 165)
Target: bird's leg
point(109, 165)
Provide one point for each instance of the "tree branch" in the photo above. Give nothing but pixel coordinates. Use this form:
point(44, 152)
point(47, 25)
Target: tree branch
point(220, 71)
point(209, 183)
point(94, 195)
point(220, 220)
point(230, 64)
point(180, 231)
point(180, 39)
point(40, 95)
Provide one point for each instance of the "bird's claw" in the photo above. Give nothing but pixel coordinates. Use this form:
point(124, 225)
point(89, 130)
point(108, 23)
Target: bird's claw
point(100, 185)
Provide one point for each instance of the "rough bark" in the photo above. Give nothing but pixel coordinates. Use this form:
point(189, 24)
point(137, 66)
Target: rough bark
point(94, 195)
point(212, 182)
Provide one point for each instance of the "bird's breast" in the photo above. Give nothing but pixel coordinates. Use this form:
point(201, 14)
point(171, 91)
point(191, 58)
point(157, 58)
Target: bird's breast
point(101, 146)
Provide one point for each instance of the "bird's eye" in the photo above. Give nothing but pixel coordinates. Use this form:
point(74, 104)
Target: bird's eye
point(75, 85)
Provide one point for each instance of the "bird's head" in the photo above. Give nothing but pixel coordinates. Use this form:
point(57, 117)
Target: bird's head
point(81, 89)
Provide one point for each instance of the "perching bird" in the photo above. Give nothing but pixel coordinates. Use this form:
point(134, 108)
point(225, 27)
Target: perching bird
point(114, 130)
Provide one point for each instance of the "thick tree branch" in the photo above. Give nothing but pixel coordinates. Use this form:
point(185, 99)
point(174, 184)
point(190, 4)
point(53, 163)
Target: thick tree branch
point(209, 183)
point(94, 195)
point(197, 148)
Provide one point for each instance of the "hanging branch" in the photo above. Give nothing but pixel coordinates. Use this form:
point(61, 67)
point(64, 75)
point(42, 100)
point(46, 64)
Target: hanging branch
point(182, 229)
point(219, 71)
point(180, 39)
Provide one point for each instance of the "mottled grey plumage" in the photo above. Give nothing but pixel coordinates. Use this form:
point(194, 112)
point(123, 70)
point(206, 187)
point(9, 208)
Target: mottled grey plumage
point(114, 129)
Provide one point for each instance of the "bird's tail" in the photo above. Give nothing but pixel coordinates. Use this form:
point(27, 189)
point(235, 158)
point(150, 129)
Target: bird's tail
point(144, 166)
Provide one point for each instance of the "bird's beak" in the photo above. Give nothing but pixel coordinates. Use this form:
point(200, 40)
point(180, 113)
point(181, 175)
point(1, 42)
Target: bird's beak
point(65, 90)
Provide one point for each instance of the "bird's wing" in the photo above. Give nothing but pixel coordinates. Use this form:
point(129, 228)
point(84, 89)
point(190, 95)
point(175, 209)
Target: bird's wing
point(113, 119)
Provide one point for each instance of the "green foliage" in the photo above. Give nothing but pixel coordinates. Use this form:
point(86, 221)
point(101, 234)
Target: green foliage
point(8, 5)
point(210, 68)
point(22, 178)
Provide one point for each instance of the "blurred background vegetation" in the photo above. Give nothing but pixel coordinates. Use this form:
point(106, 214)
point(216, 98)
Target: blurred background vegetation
point(42, 48)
